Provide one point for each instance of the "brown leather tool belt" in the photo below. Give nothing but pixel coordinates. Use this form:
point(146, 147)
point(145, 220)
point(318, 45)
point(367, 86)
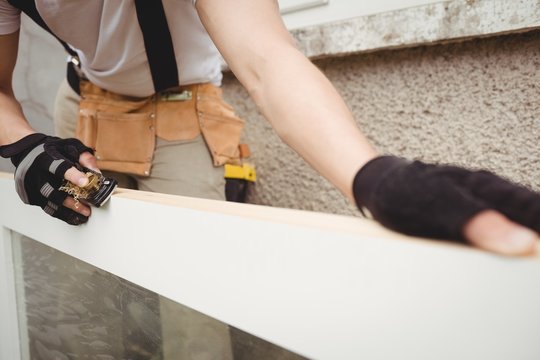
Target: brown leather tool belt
point(123, 129)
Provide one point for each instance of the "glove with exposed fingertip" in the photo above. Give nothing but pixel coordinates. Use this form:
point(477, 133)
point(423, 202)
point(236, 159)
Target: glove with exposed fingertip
point(437, 201)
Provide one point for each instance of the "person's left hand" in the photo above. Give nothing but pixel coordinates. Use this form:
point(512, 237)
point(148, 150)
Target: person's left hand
point(451, 203)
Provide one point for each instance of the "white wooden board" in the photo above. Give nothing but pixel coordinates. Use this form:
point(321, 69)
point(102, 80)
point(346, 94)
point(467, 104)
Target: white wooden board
point(326, 287)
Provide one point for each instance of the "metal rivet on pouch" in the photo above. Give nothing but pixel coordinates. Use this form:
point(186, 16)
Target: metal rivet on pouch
point(147, 172)
point(152, 116)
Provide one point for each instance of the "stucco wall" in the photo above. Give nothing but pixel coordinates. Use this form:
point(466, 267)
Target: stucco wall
point(474, 103)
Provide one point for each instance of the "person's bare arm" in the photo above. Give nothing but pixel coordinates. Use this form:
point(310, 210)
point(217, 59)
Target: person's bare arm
point(13, 124)
point(308, 113)
point(298, 100)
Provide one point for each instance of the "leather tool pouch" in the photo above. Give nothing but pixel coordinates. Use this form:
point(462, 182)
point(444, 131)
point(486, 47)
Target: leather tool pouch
point(220, 127)
point(123, 129)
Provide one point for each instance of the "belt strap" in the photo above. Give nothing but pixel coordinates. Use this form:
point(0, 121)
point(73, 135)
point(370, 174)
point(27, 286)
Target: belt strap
point(158, 44)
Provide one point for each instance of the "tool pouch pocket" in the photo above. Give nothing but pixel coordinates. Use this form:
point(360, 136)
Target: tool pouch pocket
point(220, 127)
point(125, 142)
point(120, 129)
point(177, 120)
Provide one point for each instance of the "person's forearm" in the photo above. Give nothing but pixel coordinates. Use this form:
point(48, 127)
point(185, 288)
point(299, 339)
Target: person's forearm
point(13, 125)
point(310, 116)
point(293, 95)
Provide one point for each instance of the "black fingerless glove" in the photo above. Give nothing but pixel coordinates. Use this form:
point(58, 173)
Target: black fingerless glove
point(436, 201)
point(41, 162)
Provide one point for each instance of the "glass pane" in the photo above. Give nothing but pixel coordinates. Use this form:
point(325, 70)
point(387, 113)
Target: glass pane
point(72, 310)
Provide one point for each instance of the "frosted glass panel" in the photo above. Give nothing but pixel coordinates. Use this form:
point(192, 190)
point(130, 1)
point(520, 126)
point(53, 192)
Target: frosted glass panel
point(72, 310)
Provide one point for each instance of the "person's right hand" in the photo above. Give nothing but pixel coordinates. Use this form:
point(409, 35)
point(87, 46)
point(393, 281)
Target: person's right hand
point(42, 163)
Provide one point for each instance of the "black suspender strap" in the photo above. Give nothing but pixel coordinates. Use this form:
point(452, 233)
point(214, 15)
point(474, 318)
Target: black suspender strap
point(158, 44)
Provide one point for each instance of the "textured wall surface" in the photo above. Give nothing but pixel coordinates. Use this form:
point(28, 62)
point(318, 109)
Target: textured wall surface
point(473, 103)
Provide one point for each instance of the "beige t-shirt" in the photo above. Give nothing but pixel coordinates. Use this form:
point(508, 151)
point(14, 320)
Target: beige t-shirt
point(109, 41)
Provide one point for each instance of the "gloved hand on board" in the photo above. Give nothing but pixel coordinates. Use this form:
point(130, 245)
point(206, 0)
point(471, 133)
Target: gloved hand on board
point(437, 201)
